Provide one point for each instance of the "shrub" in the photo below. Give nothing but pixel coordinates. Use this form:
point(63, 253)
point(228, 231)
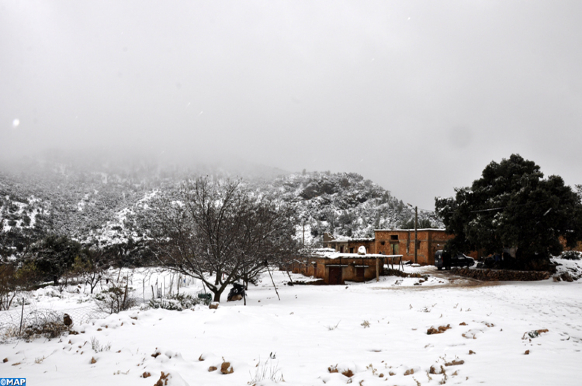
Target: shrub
point(115, 299)
point(177, 302)
point(98, 347)
point(7, 286)
point(47, 324)
point(571, 255)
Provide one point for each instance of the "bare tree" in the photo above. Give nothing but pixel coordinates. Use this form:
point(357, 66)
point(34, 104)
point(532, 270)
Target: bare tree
point(217, 232)
point(91, 266)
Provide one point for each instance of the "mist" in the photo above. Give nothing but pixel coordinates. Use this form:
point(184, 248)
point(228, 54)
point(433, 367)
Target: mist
point(418, 97)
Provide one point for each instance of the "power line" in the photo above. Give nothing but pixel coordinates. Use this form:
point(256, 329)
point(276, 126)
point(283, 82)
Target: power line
point(503, 207)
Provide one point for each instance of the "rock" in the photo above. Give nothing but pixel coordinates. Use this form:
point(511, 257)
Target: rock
point(67, 320)
point(213, 305)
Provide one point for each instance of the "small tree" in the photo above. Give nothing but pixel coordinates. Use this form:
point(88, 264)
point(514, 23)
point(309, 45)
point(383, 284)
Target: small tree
point(513, 207)
point(90, 265)
point(116, 298)
point(54, 255)
point(8, 285)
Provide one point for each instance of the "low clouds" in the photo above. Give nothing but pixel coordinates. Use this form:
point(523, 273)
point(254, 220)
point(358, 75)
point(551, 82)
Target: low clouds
point(417, 96)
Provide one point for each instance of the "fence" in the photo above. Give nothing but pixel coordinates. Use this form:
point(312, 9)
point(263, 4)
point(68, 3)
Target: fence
point(146, 284)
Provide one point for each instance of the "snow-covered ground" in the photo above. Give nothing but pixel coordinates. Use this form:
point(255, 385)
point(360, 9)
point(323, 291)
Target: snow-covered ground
point(377, 331)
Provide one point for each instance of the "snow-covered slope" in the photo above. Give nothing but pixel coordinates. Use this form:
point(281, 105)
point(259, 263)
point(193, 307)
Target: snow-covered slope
point(94, 205)
point(344, 204)
point(513, 333)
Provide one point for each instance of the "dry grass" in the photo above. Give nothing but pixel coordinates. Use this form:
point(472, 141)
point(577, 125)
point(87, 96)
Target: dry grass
point(163, 381)
point(439, 330)
point(267, 370)
point(226, 368)
point(38, 324)
point(534, 333)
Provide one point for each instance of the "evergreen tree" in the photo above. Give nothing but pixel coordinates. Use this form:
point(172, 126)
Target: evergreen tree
point(513, 208)
point(53, 256)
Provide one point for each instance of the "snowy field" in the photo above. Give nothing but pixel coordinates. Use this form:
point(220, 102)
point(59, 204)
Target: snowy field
point(374, 332)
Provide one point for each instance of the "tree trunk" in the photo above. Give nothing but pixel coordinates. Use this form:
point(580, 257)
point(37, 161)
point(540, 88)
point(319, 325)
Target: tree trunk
point(217, 295)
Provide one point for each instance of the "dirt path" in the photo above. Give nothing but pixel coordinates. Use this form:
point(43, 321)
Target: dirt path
point(454, 281)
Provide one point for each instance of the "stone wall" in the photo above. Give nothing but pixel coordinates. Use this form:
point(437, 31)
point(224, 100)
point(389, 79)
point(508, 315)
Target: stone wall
point(501, 275)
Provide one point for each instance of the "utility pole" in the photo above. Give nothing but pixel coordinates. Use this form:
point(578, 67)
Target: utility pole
point(415, 232)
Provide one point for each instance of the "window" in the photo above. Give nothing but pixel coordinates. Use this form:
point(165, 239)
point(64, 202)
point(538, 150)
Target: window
point(393, 237)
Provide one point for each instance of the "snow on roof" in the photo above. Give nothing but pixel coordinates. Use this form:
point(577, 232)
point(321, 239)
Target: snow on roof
point(329, 253)
point(348, 239)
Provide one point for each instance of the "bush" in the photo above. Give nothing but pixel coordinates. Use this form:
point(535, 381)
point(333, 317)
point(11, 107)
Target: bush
point(571, 255)
point(115, 299)
point(175, 302)
point(47, 324)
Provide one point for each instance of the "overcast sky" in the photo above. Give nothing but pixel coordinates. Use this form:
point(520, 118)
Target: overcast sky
point(416, 96)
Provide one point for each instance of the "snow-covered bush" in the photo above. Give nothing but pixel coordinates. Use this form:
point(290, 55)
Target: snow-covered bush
point(571, 255)
point(176, 302)
point(39, 323)
point(116, 299)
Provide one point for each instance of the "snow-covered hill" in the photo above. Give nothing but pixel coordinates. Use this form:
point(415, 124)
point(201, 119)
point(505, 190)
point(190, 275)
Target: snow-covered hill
point(94, 204)
point(344, 204)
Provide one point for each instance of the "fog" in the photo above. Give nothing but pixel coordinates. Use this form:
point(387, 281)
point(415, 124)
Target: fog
point(416, 96)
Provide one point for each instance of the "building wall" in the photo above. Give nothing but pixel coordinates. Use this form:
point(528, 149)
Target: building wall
point(320, 268)
point(351, 246)
point(401, 242)
point(577, 248)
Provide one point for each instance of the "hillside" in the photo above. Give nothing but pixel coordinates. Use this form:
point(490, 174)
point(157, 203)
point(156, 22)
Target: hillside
point(344, 204)
point(92, 204)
